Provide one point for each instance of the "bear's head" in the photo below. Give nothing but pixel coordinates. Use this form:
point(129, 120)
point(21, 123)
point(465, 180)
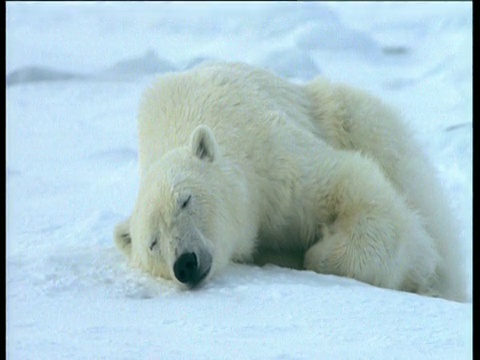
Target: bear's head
point(185, 224)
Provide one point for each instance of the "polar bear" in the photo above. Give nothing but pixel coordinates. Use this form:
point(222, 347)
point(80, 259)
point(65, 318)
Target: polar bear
point(237, 164)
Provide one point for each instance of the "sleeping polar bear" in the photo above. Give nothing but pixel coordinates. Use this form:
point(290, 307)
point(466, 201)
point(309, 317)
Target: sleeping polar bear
point(238, 164)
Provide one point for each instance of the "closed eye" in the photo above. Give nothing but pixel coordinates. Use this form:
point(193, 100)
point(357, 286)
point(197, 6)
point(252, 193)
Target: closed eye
point(186, 202)
point(152, 245)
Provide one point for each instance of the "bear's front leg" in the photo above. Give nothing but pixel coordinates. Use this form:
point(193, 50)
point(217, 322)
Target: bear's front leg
point(374, 237)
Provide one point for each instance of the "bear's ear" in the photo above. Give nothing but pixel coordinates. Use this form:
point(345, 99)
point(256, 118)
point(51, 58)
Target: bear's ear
point(203, 144)
point(123, 240)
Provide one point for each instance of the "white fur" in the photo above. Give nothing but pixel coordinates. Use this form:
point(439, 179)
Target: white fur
point(322, 173)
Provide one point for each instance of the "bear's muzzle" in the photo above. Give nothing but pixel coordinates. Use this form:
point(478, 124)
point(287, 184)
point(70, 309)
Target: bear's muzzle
point(190, 269)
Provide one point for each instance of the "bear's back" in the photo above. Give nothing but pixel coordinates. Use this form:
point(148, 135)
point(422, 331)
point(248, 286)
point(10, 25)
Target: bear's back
point(238, 102)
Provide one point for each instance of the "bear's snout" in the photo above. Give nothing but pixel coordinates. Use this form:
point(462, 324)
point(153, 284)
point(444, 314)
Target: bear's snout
point(189, 270)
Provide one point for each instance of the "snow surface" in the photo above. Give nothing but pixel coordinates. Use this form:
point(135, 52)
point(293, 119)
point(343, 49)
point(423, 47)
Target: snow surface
point(75, 74)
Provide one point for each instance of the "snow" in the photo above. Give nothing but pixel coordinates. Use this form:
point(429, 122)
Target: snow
point(75, 74)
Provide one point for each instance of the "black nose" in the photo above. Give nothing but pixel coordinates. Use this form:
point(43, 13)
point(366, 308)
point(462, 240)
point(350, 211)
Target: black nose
point(186, 269)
